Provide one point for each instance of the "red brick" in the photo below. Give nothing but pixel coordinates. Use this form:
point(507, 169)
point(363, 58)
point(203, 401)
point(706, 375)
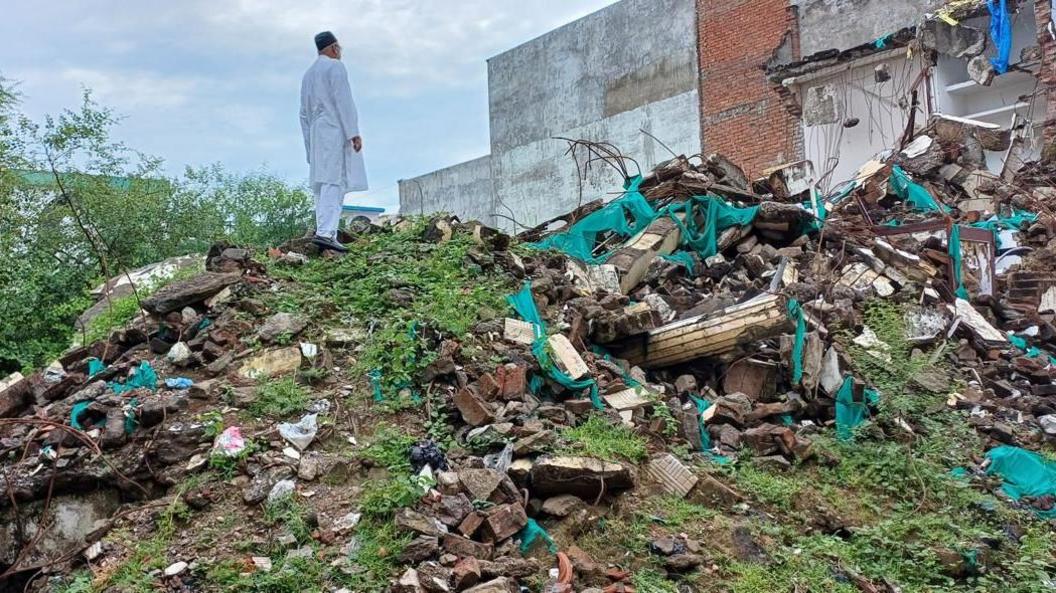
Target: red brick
point(742, 116)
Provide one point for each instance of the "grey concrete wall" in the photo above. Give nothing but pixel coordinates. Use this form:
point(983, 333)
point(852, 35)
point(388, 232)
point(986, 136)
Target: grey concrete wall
point(842, 24)
point(631, 65)
point(464, 190)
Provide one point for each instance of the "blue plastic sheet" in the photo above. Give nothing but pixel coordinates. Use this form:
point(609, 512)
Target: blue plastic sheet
point(178, 383)
point(95, 366)
point(1000, 33)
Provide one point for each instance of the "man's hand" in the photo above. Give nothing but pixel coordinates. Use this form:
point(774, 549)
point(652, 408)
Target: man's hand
point(357, 143)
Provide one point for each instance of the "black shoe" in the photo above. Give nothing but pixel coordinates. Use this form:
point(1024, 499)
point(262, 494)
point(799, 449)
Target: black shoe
point(331, 244)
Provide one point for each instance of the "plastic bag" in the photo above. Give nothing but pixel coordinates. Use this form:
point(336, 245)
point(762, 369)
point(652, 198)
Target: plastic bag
point(532, 532)
point(178, 383)
point(302, 433)
point(500, 461)
point(230, 442)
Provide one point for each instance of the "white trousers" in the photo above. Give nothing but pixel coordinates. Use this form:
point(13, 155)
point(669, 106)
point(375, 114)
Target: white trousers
point(328, 201)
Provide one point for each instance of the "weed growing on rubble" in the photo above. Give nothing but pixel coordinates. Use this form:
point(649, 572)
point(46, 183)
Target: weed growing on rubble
point(292, 514)
point(599, 437)
point(279, 398)
point(648, 580)
point(676, 511)
point(390, 449)
point(396, 281)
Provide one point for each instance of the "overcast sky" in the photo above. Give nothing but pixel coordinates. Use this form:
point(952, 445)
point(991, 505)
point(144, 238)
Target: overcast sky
point(205, 81)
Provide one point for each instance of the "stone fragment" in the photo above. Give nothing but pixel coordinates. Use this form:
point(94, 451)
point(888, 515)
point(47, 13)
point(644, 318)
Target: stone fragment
point(562, 505)
point(499, 585)
point(475, 411)
point(272, 363)
point(408, 583)
point(178, 295)
point(414, 521)
point(674, 477)
point(686, 384)
point(466, 573)
point(981, 70)
point(420, 549)
point(518, 332)
point(479, 483)
point(175, 568)
point(585, 477)
point(567, 358)
point(434, 577)
point(281, 326)
point(465, 547)
point(504, 521)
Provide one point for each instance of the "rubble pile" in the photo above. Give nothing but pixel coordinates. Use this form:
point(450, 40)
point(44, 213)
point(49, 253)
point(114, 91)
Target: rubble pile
point(700, 309)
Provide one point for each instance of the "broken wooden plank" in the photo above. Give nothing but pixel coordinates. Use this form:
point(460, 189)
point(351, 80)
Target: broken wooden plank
point(711, 335)
point(567, 358)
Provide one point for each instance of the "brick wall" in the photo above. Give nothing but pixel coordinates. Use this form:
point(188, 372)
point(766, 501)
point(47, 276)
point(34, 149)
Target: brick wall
point(1047, 73)
point(741, 116)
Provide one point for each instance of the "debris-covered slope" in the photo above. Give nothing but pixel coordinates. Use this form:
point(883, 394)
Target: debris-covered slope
point(704, 385)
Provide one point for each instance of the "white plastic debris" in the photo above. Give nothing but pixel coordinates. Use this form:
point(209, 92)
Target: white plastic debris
point(309, 350)
point(291, 453)
point(230, 442)
point(302, 433)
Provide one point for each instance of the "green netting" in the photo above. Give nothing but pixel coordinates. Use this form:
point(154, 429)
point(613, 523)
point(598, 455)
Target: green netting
point(954, 250)
point(535, 383)
point(1030, 351)
point(628, 380)
point(375, 384)
point(523, 303)
point(578, 241)
point(913, 193)
point(685, 259)
point(531, 533)
point(850, 413)
point(143, 377)
point(795, 313)
point(75, 414)
point(996, 224)
point(95, 366)
point(131, 422)
point(719, 216)
point(702, 405)
point(1024, 474)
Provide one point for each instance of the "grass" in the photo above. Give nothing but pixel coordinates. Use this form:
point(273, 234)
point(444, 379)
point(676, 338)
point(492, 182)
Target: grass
point(449, 297)
point(390, 449)
point(292, 514)
point(600, 438)
point(649, 580)
point(277, 399)
point(676, 511)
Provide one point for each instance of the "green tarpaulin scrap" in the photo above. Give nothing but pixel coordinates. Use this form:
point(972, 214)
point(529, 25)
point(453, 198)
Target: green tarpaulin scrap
point(913, 193)
point(532, 532)
point(1030, 351)
point(75, 414)
point(849, 413)
point(143, 377)
point(578, 241)
point(1024, 474)
point(954, 250)
point(523, 303)
point(95, 366)
point(795, 313)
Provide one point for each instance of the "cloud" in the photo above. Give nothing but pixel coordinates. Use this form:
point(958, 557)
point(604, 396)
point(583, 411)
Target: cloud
point(201, 81)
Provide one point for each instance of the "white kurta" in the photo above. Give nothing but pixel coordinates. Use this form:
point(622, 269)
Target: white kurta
point(329, 122)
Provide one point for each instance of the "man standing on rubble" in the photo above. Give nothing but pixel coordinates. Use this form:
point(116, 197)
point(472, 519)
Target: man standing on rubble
point(331, 139)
